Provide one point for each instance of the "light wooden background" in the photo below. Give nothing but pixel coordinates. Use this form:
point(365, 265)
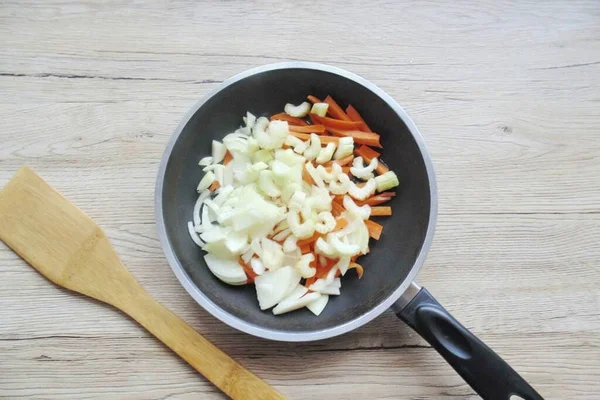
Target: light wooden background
point(507, 95)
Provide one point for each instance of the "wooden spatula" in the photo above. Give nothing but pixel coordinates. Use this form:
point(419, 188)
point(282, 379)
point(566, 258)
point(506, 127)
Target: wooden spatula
point(68, 248)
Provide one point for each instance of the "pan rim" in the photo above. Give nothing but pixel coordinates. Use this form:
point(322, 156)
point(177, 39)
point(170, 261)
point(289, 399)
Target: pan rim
point(244, 325)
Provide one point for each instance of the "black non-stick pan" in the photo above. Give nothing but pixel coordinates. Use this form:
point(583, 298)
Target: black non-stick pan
point(391, 266)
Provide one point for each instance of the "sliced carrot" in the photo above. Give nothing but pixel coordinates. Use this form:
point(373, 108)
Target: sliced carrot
point(342, 161)
point(335, 110)
point(335, 123)
point(374, 229)
point(368, 154)
point(248, 270)
point(304, 249)
point(228, 158)
point(215, 185)
point(355, 116)
point(368, 138)
point(322, 271)
point(306, 176)
point(359, 269)
point(291, 120)
point(309, 240)
point(381, 211)
point(340, 223)
point(313, 99)
point(374, 200)
point(324, 139)
point(307, 129)
point(310, 281)
point(336, 208)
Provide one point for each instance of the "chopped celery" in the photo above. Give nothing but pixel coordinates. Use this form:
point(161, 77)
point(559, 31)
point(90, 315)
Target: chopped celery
point(386, 181)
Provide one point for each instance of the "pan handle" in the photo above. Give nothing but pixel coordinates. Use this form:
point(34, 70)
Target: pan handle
point(489, 375)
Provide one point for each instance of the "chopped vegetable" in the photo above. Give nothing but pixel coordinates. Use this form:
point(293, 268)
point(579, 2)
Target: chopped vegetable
point(359, 269)
point(297, 111)
point(386, 181)
point(218, 151)
point(335, 123)
point(368, 154)
point(375, 200)
point(307, 129)
point(335, 110)
point(319, 109)
point(374, 229)
point(355, 116)
point(313, 99)
point(291, 120)
point(342, 161)
point(368, 138)
point(286, 206)
point(228, 158)
point(323, 139)
point(381, 211)
point(206, 181)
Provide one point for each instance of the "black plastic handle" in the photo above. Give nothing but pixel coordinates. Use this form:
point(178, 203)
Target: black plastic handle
point(489, 375)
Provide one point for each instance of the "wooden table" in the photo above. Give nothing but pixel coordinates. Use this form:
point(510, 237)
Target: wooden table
point(505, 93)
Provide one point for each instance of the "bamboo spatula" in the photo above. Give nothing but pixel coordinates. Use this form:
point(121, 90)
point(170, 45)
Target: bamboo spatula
point(68, 248)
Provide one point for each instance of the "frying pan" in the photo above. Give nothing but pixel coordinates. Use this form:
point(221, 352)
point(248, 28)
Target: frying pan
point(394, 260)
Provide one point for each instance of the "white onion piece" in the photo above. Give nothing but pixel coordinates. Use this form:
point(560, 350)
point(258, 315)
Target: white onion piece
point(194, 235)
point(273, 286)
point(229, 271)
point(205, 161)
point(291, 305)
point(257, 266)
point(205, 182)
point(318, 305)
point(218, 151)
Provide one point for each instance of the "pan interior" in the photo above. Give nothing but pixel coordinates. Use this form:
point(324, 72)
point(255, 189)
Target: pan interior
point(391, 258)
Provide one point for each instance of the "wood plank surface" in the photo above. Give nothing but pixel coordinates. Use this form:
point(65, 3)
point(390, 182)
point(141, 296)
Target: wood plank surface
point(507, 95)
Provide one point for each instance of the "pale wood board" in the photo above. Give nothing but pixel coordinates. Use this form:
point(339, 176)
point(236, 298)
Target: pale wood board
point(505, 93)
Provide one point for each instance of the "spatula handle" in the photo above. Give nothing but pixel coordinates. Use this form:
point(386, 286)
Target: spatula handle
point(229, 376)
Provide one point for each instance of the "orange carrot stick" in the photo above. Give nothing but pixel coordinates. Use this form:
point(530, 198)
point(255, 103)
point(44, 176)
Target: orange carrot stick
point(355, 116)
point(307, 129)
point(368, 154)
point(359, 269)
point(248, 270)
point(228, 158)
point(336, 208)
point(306, 176)
point(374, 229)
point(313, 99)
point(305, 249)
point(324, 139)
point(374, 200)
point(310, 281)
point(340, 223)
point(368, 138)
point(322, 271)
point(309, 240)
point(335, 123)
point(341, 162)
point(215, 185)
point(335, 110)
point(291, 120)
point(381, 211)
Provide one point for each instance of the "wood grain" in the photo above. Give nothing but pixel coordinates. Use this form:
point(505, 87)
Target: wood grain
point(68, 248)
point(506, 94)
